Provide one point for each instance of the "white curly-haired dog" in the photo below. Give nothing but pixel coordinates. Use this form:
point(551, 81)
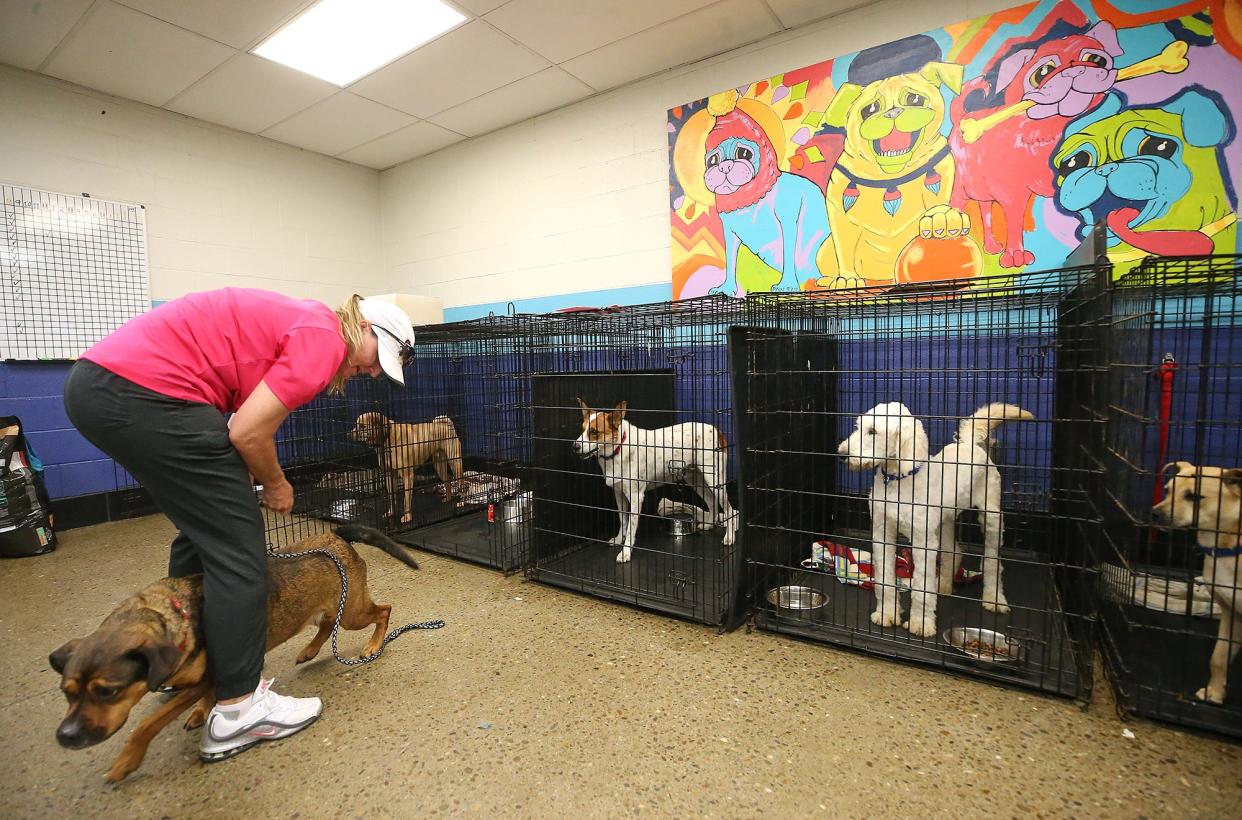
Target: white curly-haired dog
point(920, 497)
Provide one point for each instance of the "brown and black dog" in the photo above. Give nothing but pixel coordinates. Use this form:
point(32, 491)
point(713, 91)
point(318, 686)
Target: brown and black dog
point(406, 447)
point(154, 638)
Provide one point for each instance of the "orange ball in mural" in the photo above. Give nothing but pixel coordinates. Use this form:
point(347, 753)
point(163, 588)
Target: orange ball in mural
point(928, 260)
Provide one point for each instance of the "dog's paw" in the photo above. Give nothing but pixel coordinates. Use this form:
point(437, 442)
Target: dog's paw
point(943, 222)
point(1208, 695)
point(922, 625)
point(195, 719)
point(883, 617)
point(305, 655)
point(1000, 606)
point(407, 518)
point(842, 281)
point(623, 556)
point(122, 768)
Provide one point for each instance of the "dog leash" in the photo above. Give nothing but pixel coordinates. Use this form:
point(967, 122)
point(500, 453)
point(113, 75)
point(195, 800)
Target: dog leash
point(340, 610)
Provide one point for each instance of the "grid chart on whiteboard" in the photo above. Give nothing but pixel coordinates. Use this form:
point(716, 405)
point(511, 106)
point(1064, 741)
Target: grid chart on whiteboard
point(74, 269)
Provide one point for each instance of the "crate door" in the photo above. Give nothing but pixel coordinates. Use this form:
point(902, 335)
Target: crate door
point(571, 501)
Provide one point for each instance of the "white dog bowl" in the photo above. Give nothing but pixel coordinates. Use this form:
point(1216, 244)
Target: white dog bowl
point(796, 598)
point(984, 644)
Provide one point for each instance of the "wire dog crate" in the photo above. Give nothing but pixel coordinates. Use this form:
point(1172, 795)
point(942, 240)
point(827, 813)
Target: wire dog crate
point(334, 475)
point(974, 559)
point(435, 464)
point(464, 442)
point(665, 456)
point(1172, 596)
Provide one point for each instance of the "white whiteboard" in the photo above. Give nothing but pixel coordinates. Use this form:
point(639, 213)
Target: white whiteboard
point(73, 269)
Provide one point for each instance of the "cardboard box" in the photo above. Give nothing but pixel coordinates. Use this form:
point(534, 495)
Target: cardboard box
point(422, 310)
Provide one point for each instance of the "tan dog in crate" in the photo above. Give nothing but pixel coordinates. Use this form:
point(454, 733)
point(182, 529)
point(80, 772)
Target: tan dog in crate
point(1209, 501)
point(406, 447)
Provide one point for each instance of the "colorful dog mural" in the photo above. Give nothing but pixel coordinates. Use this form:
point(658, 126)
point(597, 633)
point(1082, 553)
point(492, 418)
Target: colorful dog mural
point(780, 217)
point(981, 148)
point(1154, 175)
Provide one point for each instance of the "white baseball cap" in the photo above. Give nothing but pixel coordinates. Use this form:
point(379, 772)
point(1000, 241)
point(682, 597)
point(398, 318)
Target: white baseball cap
point(395, 333)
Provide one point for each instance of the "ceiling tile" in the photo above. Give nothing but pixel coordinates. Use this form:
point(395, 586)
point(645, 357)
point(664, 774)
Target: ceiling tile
point(124, 52)
point(478, 7)
point(338, 124)
point(796, 12)
point(249, 93)
point(408, 143)
point(528, 97)
point(238, 23)
point(724, 26)
point(459, 66)
point(29, 31)
point(560, 30)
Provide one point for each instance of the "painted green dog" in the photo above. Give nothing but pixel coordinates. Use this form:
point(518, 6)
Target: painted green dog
point(1154, 175)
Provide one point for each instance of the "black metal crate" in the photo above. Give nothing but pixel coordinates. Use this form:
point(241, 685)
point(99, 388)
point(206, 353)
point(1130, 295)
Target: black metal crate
point(1173, 373)
point(470, 441)
point(669, 363)
point(335, 478)
point(813, 364)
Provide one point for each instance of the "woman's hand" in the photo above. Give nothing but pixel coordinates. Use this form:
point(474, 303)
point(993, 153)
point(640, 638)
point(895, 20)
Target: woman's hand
point(278, 497)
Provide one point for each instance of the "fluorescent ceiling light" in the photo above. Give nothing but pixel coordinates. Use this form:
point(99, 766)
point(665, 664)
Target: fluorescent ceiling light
point(342, 40)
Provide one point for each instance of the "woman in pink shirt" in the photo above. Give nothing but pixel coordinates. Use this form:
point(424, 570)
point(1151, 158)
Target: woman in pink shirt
point(154, 394)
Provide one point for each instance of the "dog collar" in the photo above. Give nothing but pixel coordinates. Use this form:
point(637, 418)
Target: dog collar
point(894, 182)
point(889, 477)
point(617, 450)
point(179, 608)
point(1221, 552)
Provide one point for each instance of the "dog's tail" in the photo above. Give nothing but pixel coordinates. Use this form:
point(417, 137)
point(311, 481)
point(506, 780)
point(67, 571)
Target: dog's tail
point(356, 533)
point(978, 426)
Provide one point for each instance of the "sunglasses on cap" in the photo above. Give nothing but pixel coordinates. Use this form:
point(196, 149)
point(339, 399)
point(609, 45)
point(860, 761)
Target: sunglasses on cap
point(406, 350)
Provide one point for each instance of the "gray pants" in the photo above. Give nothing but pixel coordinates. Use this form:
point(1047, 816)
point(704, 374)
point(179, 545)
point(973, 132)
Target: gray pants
point(181, 454)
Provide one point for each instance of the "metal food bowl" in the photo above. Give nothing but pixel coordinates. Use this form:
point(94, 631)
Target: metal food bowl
point(515, 510)
point(985, 645)
point(346, 508)
point(791, 597)
point(680, 524)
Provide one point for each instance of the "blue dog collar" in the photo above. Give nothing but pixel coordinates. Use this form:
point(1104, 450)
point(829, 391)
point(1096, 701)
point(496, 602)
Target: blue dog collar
point(887, 477)
point(1221, 552)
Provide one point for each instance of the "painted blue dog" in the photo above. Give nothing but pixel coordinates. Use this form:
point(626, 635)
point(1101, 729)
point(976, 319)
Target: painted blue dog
point(780, 217)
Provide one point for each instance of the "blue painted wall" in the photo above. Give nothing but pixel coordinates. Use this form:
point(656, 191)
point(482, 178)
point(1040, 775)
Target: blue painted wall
point(34, 391)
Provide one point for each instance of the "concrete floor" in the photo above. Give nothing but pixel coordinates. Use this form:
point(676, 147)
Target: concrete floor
point(534, 702)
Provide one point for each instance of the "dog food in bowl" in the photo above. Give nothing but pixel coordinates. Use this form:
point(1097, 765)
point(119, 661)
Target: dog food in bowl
point(800, 598)
point(984, 644)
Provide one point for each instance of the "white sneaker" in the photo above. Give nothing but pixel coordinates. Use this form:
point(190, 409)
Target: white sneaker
point(235, 728)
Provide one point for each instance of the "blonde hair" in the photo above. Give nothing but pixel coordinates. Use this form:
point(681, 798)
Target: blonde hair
point(351, 320)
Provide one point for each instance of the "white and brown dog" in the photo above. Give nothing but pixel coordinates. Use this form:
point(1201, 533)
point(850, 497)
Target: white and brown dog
point(406, 447)
point(1209, 500)
point(634, 460)
point(920, 496)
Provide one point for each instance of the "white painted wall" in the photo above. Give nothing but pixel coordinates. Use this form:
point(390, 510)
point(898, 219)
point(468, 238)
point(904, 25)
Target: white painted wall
point(223, 208)
point(577, 199)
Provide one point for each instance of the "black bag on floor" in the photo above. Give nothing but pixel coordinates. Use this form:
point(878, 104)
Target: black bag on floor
point(25, 520)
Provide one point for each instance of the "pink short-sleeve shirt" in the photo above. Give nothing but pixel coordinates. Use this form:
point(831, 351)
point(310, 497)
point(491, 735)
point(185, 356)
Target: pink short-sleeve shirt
point(215, 348)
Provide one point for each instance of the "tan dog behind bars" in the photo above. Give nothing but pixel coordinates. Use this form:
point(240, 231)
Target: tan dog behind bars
point(406, 447)
point(1209, 500)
